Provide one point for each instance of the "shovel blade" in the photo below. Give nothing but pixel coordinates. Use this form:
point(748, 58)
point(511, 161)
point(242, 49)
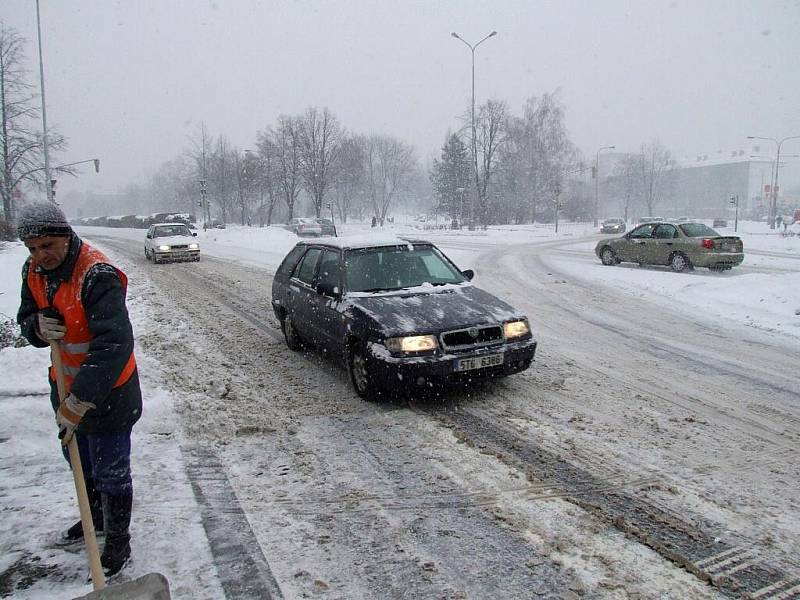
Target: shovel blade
point(153, 586)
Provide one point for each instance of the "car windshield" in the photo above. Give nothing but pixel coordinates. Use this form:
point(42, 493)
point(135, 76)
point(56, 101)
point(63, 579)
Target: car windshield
point(397, 267)
point(698, 230)
point(170, 230)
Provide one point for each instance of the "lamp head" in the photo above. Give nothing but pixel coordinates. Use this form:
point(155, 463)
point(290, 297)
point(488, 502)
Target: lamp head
point(494, 33)
point(455, 35)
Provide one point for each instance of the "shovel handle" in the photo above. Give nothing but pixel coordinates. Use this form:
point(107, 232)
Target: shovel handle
point(95, 568)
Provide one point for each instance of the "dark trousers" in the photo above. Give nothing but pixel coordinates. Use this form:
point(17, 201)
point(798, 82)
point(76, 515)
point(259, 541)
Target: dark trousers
point(106, 459)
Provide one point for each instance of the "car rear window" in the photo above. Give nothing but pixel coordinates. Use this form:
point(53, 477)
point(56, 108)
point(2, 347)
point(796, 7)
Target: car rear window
point(288, 264)
point(697, 230)
point(307, 266)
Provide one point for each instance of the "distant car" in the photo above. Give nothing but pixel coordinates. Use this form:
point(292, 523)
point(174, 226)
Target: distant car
point(399, 313)
point(216, 224)
point(304, 227)
point(328, 228)
point(682, 246)
point(612, 226)
point(720, 223)
point(170, 241)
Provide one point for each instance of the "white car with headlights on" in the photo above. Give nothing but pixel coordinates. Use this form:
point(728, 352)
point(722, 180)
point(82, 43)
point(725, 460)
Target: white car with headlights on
point(171, 241)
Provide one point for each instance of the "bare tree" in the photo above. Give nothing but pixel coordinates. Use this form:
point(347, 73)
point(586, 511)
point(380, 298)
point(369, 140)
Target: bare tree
point(222, 176)
point(627, 183)
point(246, 171)
point(388, 163)
point(656, 167)
point(268, 192)
point(349, 181)
point(320, 140)
point(491, 132)
point(21, 145)
point(535, 157)
point(284, 139)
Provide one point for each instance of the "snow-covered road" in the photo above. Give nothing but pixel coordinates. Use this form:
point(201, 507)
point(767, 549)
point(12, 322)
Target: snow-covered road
point(648, 449)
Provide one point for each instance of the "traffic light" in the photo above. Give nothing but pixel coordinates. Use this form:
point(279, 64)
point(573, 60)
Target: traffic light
point(594, 172)
point(53, 183)
point(96, 165)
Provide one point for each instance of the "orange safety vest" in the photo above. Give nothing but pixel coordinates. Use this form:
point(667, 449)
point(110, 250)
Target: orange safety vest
point(67, 301)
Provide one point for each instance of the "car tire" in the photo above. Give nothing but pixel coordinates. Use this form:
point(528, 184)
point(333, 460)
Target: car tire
point(608, 257)
point(293, 341)
point(360, 373)
point(679, 263)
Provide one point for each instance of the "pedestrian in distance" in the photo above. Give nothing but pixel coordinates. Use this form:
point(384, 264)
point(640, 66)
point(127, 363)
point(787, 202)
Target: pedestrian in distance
point(74, 296)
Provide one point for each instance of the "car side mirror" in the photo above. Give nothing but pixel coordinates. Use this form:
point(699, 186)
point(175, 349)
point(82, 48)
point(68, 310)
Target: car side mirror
point(149, 236)
point(469, 274)
point(328, 289)
point(194, 234)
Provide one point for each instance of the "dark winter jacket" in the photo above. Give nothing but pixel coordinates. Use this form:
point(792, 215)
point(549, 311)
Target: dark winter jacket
point(103, 299)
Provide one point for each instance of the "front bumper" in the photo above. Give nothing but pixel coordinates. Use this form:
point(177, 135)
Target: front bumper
point(176, 255)
point(424, 371)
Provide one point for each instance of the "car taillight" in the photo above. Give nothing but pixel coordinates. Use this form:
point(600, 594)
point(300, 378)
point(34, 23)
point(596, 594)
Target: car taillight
point(707, 244)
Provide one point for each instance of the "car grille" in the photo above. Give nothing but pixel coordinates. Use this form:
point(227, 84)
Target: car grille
point(472, 337)
point(179, 247)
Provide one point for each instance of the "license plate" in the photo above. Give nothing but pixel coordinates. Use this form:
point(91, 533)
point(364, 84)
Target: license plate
point(477, 362)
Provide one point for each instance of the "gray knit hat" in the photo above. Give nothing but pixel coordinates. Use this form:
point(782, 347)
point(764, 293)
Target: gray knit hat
point(41, 219)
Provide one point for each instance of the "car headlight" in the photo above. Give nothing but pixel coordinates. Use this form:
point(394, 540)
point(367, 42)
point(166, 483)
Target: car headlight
point(163, 248)
point(412, 343)
point(516, 329)
point(194, 246)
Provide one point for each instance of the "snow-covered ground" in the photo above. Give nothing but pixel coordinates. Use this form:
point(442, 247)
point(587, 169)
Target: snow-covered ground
point(36, 487)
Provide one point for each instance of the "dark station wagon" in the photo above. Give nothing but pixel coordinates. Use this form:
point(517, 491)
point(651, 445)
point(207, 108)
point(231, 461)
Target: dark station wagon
point(399, 312)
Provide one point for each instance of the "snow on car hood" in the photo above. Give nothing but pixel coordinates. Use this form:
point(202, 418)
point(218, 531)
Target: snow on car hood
point(426, 309)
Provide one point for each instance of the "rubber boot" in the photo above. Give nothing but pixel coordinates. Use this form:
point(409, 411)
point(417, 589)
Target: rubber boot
point(75, 533)
point(117, 549)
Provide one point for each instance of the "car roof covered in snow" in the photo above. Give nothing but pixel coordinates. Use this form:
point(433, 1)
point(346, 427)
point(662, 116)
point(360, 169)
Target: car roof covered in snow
point(363, 241)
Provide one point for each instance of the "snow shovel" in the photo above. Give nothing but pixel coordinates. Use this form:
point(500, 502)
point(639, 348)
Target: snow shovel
point(152, 586)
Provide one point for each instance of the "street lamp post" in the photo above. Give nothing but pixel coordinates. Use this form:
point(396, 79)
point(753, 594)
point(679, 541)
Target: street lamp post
point(48, 185)
point(773, 204)
point(474, 135)
point(597, 178)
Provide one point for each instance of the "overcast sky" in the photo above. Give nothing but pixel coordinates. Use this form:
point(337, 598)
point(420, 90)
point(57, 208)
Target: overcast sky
point(129, 81)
